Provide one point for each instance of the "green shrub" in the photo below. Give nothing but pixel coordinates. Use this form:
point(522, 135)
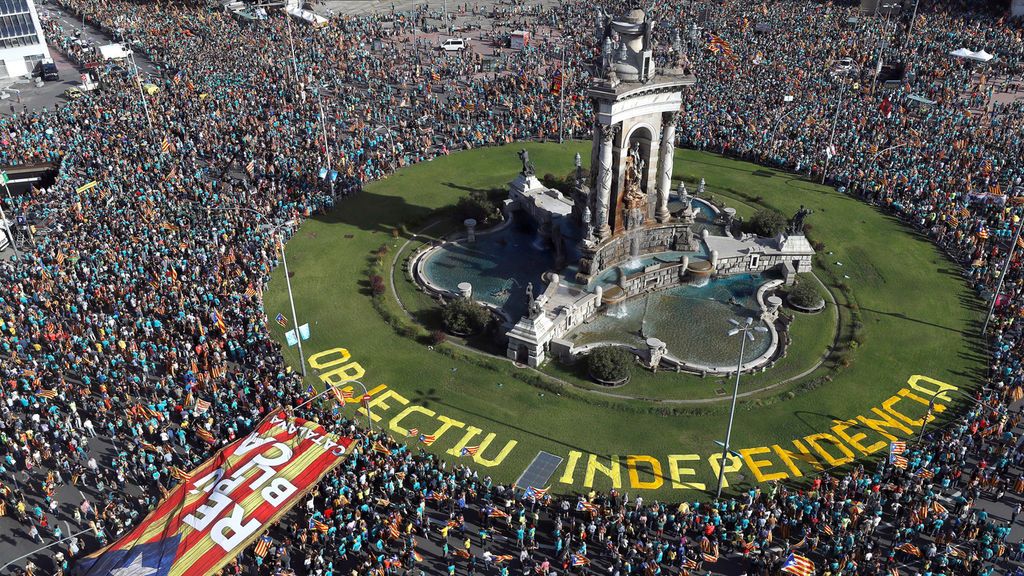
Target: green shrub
point(767, 223)
point(805, 295)
point(610, 363)
point(477, 206)
point(464, 316)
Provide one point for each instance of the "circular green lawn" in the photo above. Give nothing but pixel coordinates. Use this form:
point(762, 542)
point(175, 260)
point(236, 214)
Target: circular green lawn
point(906, 329)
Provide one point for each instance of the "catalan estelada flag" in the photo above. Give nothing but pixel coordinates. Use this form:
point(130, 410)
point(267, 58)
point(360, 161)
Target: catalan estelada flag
point(556, 83)
point(798, 566)
point(226, 503)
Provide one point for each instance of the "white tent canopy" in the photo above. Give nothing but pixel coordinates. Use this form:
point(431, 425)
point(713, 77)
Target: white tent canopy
point(979, 56)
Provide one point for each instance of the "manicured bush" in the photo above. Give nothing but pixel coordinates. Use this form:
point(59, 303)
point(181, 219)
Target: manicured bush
point(805, 295)
point(610, 363)
point(767, 223)
point(464, 316)
point(477, 206)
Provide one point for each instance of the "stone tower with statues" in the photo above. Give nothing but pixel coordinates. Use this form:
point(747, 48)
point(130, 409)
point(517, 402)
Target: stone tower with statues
point(636, 108)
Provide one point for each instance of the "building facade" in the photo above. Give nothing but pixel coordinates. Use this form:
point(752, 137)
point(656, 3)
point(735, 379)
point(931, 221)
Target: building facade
point(22, 43)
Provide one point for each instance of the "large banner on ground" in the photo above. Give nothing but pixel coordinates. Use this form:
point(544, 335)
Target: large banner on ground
point(225, 503)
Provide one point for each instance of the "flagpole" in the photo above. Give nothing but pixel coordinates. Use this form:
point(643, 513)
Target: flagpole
point(50, 545)
point(561, 91)
point(832, 135)
point(291, 301)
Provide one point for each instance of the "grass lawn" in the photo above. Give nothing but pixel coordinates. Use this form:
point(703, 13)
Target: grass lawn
point(898, 296)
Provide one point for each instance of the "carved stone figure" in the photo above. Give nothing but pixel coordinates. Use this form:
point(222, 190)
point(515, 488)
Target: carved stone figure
point(700, 188)
point(529, 294)
point(634, 200)
point(798, 219)
point(524, 157)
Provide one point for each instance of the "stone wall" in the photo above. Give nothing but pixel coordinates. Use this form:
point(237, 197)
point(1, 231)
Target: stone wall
point(742, 264)
point(648, 240)
point(654, 278)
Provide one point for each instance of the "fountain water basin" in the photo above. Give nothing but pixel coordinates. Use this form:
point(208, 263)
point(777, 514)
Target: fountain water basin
point(690, 319)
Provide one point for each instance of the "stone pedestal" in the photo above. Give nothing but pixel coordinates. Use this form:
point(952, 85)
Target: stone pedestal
point(656, 350)
point(470, 230)
point(465, 290)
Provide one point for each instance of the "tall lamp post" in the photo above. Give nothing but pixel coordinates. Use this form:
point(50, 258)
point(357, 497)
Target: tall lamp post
point(746, 329)
point(284, 260)
point(1002, 274)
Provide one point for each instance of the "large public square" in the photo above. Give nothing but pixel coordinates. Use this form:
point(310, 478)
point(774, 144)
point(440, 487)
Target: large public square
point(513, 287)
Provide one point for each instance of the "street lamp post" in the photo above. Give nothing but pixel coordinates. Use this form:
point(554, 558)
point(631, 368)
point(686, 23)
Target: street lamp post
point(323, 128)
point(284, 260)
point(745, 328)
point(291, 302)
point(40, 549)
point(1002, 274)
point(391, 139)
point(142, 91)
point(931, 407)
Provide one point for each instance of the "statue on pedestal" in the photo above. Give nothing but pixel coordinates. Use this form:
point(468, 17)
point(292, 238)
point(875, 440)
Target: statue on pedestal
point(634, 200)
point(700, 188)
point(524, 157)
point(798, 220)
point(684, 196)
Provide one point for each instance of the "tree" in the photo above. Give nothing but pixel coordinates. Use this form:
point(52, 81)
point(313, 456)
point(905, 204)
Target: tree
point(610, 363)
point(477, 206)
point(464, 316)
point(767, 223)
point(804, 295)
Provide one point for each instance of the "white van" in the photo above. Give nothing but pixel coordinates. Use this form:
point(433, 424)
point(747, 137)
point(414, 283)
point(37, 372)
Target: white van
point(453, 45)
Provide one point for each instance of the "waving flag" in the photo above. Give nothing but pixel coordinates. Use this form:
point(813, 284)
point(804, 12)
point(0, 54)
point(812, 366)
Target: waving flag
point(909, 548)
point(263, 546)
point(532, 493)
point(229, 500)
point(579, 560)
point(798, 565)
point(556, 83)
point(281, 319)
point(469, 451)
point(496, 513)
point(427, 439)
point(206, 435)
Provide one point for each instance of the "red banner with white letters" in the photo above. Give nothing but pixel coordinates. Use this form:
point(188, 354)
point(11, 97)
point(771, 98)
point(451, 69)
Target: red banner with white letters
point(224, 504)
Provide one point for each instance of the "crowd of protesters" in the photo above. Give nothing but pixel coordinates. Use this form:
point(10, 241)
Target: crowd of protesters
point(140, 295)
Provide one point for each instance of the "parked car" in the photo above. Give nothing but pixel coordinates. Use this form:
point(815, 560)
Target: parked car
point(453, 45)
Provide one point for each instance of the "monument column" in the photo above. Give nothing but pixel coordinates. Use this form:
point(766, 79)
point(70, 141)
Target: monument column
point(665, 157)
point(604, 181)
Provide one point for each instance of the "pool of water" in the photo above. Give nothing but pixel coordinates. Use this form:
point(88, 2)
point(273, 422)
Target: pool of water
point(498, 265)
point(693, 321)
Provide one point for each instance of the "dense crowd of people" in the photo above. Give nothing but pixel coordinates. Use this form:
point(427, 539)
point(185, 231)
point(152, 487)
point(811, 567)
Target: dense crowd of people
point(142, 292)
